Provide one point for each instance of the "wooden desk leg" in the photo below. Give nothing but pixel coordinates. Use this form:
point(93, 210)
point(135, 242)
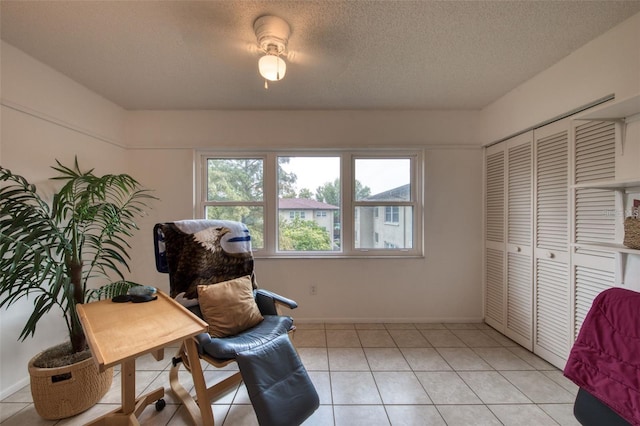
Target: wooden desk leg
point(128, 377)
point(127, 415)
point(158, 355)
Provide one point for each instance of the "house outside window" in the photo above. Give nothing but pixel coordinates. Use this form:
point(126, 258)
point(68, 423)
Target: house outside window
point(305, 209)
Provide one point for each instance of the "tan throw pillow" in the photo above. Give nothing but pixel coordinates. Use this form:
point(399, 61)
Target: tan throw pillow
point(229, 307)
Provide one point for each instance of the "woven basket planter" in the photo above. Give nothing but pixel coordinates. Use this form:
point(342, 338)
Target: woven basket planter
point(66, 391)
point(632, 232)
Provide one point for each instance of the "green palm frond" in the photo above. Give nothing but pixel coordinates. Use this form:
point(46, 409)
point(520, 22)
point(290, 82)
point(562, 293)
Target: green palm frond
point(84, 231)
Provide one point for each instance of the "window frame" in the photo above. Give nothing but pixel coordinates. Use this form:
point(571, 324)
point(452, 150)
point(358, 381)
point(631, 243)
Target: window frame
point(348, 205)
point(415, 201)
point(201, 201)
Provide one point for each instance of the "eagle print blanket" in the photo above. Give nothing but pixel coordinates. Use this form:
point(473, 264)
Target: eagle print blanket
point(201, 252)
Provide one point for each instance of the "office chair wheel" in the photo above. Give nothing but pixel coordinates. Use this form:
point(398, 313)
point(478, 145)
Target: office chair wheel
point(160, 404)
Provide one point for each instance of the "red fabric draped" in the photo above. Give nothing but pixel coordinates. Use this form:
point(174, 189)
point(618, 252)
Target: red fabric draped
point(605, 359)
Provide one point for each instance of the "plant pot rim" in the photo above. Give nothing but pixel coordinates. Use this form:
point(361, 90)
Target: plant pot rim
point(46, 371)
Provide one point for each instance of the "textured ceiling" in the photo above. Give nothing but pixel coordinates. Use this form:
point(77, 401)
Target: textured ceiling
point(343, 54)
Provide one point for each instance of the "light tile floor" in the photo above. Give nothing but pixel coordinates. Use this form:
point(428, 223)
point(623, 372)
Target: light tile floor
point(375, 374)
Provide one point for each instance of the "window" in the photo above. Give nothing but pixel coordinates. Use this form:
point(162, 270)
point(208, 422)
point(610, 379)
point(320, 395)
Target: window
point(235, 191)
point(342, 203)
point(297, 215)
point(309, 183)
point(385, 183)
point(392, 214)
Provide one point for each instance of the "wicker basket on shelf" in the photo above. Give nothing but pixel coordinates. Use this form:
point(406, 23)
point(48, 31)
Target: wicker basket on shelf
point(632, 232)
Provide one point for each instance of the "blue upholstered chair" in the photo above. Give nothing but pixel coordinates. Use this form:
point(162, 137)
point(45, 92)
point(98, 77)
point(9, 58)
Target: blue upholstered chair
point(204, 257)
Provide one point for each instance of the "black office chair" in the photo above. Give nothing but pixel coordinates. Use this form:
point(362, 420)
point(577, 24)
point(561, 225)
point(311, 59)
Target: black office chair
point(210, 266)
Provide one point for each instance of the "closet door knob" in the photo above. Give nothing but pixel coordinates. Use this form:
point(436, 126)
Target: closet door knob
point(550, 255)
point(518, 249)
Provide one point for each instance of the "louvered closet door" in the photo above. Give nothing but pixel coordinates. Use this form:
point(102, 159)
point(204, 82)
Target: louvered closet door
point(594, 271)
point(552, 309)
point(494, 238)
point(519, 282)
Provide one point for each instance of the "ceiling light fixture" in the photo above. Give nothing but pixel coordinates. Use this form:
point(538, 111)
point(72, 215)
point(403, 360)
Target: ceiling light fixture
point(272, 34)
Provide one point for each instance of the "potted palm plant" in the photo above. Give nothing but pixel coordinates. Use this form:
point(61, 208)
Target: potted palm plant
point(58, 252)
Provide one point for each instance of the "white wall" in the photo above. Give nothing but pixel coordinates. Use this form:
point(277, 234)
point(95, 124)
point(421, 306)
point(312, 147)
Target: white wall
point(299, 129)
point(46, 116)
point(438, 287)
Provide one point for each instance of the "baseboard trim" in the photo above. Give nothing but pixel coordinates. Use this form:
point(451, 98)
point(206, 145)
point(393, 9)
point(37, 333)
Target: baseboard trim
point(427, 320)
point(7, 392)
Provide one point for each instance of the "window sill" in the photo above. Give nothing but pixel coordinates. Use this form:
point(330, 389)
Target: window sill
point(316, 256)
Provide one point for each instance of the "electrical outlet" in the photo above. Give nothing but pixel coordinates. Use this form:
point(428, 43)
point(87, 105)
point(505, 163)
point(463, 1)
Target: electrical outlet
point(313, 290)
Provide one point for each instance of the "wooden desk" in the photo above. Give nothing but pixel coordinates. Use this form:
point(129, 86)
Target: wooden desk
point(118, 333)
